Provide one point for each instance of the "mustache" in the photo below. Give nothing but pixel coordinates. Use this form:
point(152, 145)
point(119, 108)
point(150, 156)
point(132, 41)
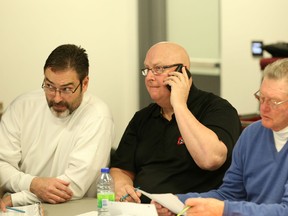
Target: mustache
point(61, 103)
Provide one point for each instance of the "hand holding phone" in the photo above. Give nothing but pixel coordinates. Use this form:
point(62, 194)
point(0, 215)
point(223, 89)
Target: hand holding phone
point(179, 69)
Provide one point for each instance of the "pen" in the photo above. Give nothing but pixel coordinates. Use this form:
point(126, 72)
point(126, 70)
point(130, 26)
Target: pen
point(127, 195)
point(15, 209)
point(183, 210)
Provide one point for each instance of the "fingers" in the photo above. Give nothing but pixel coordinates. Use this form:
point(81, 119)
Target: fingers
point(209, 206)
point(59, 193)
point(62, 182)
point(186, 72)
point(176, 78)
point(54, 198)
point(63, 189)
point(162, 211)
point(51, 190)
point(194, 201)
point(129, 194)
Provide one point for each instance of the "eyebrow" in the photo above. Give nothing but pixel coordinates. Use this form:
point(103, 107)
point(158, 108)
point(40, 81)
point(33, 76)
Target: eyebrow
point(67, 84)
point(155, 64)
point(270, 98)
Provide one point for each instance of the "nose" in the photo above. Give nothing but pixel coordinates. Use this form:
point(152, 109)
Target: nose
point(150, 74)
point(265, 106)
point(57, 96)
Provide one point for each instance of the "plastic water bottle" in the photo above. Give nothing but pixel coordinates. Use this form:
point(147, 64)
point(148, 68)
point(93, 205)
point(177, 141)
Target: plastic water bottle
point(105, 191)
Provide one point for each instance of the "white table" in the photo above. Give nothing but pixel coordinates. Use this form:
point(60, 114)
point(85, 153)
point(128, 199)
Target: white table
point(71, 208)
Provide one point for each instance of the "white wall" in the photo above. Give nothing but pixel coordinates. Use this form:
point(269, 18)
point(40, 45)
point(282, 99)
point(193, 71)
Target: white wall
point(195, 25)
point(107, 29)
point(210, 31)
point(241, 22)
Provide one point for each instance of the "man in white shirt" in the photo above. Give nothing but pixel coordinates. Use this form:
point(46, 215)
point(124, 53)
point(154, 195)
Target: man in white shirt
point(54, 153)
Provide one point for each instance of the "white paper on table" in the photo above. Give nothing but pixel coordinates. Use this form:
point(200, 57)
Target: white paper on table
point(167, 200)
point(131, 209)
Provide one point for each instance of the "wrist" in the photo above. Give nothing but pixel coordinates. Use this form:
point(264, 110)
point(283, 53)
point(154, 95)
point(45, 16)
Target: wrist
point(7, 200)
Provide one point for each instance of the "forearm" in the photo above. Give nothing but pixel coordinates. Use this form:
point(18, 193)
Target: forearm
point(121, 178)
point(254, 209)
point(202, 143)
point(89, 155)
point(82, 177)
point(209, 194)
point(12, 179)
point(124, 185)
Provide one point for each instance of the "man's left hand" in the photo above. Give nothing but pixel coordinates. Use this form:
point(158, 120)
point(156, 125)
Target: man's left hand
point(204, 207)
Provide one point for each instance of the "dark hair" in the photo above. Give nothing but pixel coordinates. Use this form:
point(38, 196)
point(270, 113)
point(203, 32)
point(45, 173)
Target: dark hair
point(69, 56)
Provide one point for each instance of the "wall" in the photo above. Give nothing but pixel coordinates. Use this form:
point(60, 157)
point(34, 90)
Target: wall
point(241, 22)
point(196, 26)
point(107, 29)
point(224, 29)
point(30, 29)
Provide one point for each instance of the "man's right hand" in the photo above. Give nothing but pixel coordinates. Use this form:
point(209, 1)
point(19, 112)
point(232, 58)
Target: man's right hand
point(51, 190)
point(132, 197)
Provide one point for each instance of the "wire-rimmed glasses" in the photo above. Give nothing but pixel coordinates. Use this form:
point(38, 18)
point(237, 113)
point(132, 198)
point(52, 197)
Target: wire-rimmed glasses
point(157, 70)
point(271, 102)
point(65, 91)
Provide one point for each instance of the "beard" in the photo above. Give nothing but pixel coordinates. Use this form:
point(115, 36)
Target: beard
point(60, 113)
point(63, 114)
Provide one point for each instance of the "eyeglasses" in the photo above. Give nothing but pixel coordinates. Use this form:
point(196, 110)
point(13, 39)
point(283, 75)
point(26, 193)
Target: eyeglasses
point(271, 102)
point(157, 70)
point(65, 91)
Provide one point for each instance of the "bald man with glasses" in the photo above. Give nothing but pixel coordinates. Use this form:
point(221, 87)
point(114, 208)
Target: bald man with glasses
point(181, 142)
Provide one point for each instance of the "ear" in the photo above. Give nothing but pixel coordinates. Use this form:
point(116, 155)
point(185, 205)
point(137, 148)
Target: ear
point(85, 83)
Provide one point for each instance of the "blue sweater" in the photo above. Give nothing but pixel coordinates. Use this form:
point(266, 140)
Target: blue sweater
point(256, 184)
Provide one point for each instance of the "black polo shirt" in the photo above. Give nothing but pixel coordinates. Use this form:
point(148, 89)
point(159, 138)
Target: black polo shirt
point(153, 149)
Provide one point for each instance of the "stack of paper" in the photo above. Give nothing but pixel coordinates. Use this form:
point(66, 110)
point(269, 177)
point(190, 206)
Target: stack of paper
point(167, 200)
point(127, 209)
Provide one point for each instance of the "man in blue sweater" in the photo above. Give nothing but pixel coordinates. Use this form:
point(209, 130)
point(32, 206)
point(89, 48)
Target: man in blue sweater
point(256, 184)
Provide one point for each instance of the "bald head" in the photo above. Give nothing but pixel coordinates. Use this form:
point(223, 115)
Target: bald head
point(167, 53)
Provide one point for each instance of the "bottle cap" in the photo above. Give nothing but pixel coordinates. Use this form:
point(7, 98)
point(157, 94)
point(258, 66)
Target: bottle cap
point(105, 170)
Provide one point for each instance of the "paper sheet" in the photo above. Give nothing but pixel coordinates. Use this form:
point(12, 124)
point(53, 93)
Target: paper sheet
point(127, 209)
point(167, 200)
point(131, 209)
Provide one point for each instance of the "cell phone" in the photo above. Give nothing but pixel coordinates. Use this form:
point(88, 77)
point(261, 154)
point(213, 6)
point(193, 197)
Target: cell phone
point(179, 69)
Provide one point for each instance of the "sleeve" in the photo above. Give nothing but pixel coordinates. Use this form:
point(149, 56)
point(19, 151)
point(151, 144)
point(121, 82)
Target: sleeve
point(184, 197)
point(254, 209)
point(11, 179)
point(210, 194)
point(91, 153)
point(222, 118)
point(232, 187)
point(23, 198)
